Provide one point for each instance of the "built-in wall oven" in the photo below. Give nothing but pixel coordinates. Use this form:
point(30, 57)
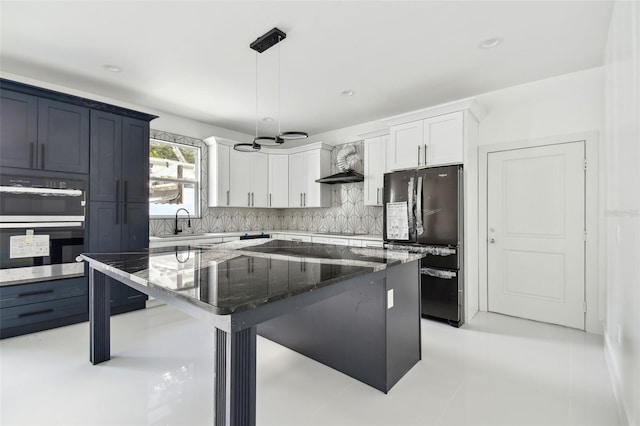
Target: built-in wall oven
point(42, 224)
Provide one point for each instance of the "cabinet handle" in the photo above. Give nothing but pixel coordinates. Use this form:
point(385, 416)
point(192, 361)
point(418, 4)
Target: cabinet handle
point(248, 199)
point(31, 155)
point(28, 314)
point(305, 199)
point(126, 191)
point(124, 214)
point(301, 199)
point(418, 155)
point(252, 199)
point(42, 156)
point(270, 200)
point(117, 202)
point(34, 293)
point(425, 154)
point(227, 197)
point(377, 195)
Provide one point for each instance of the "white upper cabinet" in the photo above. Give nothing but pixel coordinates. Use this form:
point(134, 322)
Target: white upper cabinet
point(375, 154)
point(219, 189)
point(249, 179)
point(404, 146)
point(443, 139)
point(297, 179)
point(430, 142)
point(278, 181)
point(304, 168)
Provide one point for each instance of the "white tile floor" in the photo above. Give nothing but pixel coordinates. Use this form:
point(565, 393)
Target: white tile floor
point(496, 370)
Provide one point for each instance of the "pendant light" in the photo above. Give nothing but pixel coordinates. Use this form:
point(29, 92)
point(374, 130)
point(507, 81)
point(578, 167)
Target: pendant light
point(262, 43)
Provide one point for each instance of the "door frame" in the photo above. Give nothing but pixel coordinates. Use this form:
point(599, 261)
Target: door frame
point(593, 297)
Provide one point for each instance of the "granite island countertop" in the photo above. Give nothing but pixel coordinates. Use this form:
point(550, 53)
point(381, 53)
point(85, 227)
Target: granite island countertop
point(240, 275)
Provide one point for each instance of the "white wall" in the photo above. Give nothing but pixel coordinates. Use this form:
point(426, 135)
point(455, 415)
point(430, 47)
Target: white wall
point(566, 104)
point(621, 211)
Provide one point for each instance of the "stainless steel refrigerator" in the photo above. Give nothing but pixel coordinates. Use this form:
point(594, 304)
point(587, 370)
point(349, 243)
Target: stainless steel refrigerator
point(423, 213)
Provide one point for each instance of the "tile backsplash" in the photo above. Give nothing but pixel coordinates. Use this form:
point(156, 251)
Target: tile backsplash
point(347, 212)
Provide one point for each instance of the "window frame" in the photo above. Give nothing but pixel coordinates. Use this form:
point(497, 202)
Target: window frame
point(196, 214)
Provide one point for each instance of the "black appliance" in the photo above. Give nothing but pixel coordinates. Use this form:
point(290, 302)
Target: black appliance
point(42, 224)
point(423, 213)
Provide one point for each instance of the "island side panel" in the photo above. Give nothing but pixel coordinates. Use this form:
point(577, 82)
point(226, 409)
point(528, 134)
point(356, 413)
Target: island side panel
point(345, 332)
point(403, 320)
point(235, 378)
point(99, 317)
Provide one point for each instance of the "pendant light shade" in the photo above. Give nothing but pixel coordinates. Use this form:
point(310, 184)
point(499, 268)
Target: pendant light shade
point(267, 141)
point(262, 43)
point(293, 135)
point(247, 147)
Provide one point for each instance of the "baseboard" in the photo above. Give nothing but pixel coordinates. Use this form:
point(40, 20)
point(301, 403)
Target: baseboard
point(614, 374)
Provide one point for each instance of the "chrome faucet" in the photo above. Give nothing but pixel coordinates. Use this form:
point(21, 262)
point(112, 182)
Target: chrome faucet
point(178, 230)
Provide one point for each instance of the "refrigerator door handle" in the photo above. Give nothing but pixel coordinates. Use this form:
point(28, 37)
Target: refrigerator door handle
point(410, 205)
point(419, 225)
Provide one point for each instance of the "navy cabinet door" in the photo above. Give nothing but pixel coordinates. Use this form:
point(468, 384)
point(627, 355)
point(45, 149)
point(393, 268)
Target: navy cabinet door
point(63, 137)
point(106, 156)
point(135, 226)
point(135, 160)
point(105, 224)
point(18, 129)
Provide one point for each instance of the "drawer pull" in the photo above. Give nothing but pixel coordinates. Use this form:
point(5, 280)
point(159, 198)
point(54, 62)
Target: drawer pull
point(34, 293)
point(30, 314)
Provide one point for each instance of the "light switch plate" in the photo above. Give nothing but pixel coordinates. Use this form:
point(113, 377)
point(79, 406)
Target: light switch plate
point(390, 299)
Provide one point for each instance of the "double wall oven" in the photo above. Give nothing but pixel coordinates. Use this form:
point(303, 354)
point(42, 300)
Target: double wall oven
point(42, 224)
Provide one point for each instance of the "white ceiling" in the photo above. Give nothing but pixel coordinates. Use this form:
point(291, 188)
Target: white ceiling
point(193, 59)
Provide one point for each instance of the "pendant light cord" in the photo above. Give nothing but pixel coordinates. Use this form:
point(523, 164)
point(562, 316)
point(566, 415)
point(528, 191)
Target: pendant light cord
point(279, 92)
point(256, 94)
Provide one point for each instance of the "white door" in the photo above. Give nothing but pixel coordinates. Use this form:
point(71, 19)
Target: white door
point(278, 180)
point(375, 151)
point(297, 182)
point(259, 180)
point(311, 197)
point(240, 179)
point(535, 232)
point(405, 146)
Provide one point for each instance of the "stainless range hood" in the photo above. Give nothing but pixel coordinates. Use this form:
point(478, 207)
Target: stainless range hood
point(344, 177)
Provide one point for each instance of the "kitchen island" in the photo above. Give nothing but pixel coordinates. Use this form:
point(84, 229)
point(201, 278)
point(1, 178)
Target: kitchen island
point(354, 309)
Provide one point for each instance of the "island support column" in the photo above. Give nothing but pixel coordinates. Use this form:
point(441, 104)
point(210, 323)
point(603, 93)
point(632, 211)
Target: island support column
point(235, 378)
point(99, 317)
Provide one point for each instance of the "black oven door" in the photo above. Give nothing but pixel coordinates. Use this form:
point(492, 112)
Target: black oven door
point(48, 244)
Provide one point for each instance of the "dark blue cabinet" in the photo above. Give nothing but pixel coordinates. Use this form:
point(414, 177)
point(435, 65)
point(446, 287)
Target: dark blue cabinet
point(18, 129)
point(119, 195)
point(43, 134)
point(27, 308)
point(50, 131)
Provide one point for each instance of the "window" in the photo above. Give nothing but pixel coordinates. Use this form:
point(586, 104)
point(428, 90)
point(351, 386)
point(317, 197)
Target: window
point(174, 178)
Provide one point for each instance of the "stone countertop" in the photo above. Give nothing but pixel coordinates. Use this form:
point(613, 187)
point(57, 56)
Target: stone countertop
point(211, 235)
point(240, 275)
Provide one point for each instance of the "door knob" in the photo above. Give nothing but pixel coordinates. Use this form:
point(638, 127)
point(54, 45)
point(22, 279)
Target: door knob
point(492, 240)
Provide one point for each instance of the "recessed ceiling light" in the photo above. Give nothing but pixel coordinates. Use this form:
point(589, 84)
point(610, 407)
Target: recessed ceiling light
point(267, 119)
point(490, 43)
point(112, 68)
point(347, 93)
